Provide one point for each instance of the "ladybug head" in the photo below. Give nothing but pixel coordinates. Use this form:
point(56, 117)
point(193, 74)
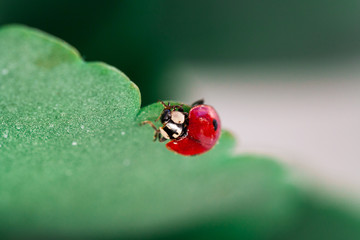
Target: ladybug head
point(174, 114)
point(165, 115)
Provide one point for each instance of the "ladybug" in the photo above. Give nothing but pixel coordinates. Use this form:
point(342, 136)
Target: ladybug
point(190, 133)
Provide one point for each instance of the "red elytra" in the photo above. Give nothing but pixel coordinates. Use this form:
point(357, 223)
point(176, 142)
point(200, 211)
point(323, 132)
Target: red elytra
point(203, 132)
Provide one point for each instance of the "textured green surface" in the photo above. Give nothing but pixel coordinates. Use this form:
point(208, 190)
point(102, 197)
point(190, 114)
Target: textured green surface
point(75, 162)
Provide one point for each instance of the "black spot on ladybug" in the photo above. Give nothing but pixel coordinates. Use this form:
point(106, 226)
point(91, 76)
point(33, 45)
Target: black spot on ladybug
point(215, 124)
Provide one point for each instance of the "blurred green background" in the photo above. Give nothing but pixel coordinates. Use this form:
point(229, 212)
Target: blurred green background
point(146, 38)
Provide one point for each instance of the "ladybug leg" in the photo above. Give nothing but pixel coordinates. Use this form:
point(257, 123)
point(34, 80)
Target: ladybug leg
point(158, 118)
point(157, 132)
point(167, 106)
point(150, 123)
point(156, 136)
point(178, 107)
point(164, 104)
point(162, 139)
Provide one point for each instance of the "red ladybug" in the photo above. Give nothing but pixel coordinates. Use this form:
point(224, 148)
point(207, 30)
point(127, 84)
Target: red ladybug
point(190, 133)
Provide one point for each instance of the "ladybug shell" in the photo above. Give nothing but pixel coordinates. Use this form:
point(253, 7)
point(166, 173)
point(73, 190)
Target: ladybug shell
point(203, 132)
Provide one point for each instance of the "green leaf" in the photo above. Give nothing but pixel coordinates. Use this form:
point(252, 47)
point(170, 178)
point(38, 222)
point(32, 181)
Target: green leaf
point(74, 160)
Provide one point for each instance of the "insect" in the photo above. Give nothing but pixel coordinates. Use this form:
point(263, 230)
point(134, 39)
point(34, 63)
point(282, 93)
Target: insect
point(190, 133)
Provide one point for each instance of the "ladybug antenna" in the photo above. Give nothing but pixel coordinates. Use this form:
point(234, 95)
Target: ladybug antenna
point(168, 106)
point(164, 104)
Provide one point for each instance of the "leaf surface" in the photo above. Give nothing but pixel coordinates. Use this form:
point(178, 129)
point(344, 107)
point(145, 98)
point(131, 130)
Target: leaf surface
point(74, 160)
